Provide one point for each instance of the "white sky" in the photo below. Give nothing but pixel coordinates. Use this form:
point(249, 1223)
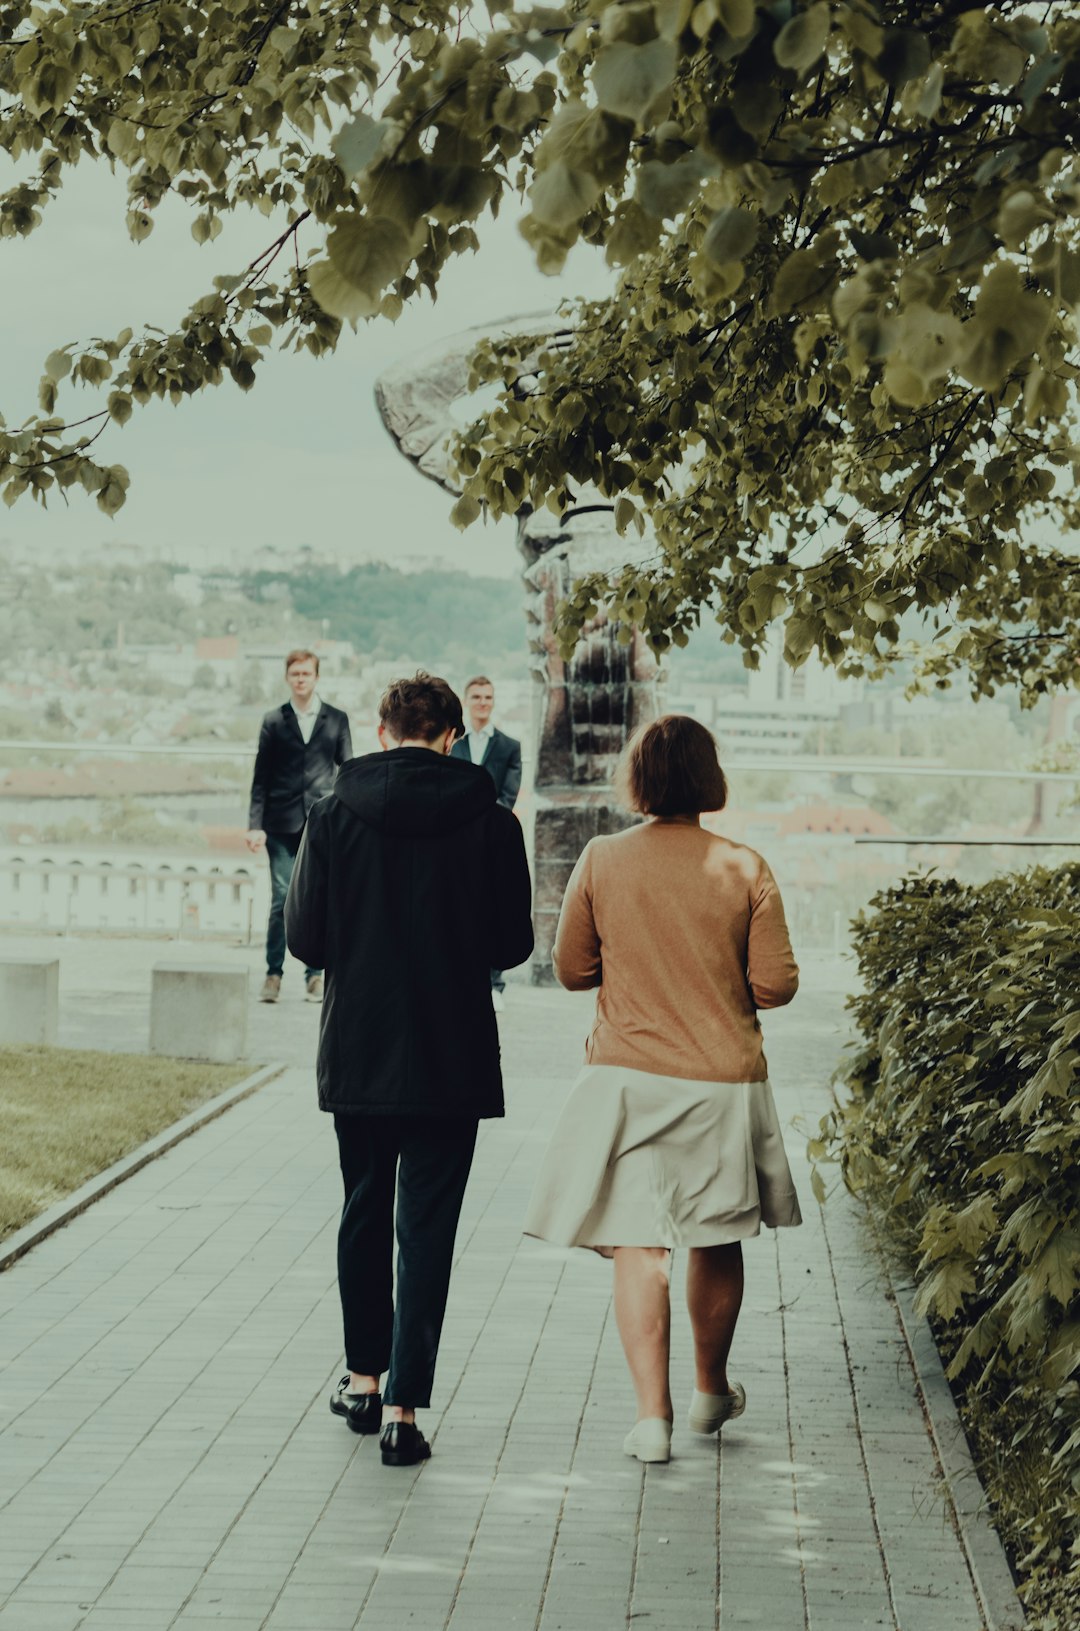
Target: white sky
point(300, 459)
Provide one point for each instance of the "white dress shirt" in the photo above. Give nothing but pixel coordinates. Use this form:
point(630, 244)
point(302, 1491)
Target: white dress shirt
point(478, 743)
point(306, 720)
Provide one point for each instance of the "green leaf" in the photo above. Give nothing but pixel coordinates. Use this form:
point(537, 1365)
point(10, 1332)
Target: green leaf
point(873, 246)
point(336, 295)
point(1022, 213)
point(804, 281)
point(464, 512)
point(975, 1223)
point(737, 17)
point(630, 79)
point(800, 637)
point(632, 233)
point(205, 228)
point(665, 190)
point(562, 195)
point(113, 493)
point(730, 235)
point(359, 142)
point(626, 514)
point(1057, 1269)
point(904, 56)
point(1006, 327)
point(369, 251)
point(946, 1289)
point(58, 365)
point(802, 40)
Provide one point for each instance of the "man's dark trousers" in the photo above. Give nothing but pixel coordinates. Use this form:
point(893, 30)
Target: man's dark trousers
point(281, 848)
point(502, 761)
point(427, 1159)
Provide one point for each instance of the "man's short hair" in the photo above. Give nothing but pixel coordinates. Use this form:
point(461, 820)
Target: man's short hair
point(302, 657)
point(477, 679)
point(421, 709)
point(670, 767)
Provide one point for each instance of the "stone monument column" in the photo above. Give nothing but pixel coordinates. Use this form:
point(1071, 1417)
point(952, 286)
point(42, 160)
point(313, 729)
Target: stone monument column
point(585, 708)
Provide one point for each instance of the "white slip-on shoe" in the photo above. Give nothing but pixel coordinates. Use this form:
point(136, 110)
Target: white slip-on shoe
point(709, 1411)
point(649, 1440)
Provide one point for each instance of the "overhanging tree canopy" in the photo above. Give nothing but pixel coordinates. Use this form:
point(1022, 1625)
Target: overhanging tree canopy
point(838, 378)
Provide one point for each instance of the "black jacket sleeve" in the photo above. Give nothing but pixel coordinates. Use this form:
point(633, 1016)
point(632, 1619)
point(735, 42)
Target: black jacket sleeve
point(306, 901)
point(510, 893)
point(511, 786)
point(344, 745)
point(260, 776)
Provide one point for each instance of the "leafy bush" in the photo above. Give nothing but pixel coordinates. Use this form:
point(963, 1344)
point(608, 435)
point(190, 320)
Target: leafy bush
point(963, 1130)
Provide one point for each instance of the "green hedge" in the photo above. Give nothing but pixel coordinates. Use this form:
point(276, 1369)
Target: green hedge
point(961, 1125)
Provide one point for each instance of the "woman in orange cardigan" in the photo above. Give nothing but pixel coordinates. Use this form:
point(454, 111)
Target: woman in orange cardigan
point(670, 1136)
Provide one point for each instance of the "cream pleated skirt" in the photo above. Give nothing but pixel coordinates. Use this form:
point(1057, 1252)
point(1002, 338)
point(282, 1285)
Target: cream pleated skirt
point(644, 1160)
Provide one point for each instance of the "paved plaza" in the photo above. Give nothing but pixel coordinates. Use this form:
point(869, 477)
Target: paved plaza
point(168, 1460)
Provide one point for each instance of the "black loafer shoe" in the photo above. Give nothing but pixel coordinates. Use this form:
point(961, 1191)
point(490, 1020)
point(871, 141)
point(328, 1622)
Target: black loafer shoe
point(362, 1411)
point(403, 1444)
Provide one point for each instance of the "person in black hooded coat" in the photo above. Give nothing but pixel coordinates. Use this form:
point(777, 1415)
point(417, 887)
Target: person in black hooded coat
point(384, 897)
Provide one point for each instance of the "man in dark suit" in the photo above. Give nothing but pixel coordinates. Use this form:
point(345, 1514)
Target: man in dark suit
point(500, 756)
point(300, 747)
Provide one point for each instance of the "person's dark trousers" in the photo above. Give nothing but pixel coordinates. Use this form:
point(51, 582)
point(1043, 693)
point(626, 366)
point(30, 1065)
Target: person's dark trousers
point(281, 848)
point(427, 1159)
point(497, 981)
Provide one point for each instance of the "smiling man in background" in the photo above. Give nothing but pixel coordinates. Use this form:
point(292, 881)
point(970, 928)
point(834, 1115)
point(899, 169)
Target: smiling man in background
point(500, 756)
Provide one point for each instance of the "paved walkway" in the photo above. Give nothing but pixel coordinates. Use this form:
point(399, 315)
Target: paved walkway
point(167, 1458)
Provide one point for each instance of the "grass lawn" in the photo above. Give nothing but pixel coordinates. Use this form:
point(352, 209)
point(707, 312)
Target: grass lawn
point(66, 1114)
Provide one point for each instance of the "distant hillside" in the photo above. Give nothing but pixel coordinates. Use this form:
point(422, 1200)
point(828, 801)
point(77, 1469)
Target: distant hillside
point(444, 619)
point(454, 620)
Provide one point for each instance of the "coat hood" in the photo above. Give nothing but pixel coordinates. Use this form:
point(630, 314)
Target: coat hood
point(413, 792)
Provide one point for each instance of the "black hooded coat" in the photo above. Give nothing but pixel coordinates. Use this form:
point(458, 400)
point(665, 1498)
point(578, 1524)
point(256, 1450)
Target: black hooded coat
point(410, 885)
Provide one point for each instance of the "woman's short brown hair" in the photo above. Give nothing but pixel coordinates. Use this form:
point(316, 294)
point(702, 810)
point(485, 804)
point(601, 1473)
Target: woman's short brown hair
point(670, 767)
point(420, 709)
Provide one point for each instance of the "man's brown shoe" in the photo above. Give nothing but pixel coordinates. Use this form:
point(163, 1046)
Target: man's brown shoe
point(271, 990)
point(314, 988)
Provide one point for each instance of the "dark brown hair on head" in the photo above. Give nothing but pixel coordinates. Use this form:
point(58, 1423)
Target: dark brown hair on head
point(420, 709)
point(670, 767)
point(477, 679)
point(302, 657)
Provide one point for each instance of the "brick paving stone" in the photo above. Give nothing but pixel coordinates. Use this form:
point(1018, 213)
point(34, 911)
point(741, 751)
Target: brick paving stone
point(196, 1476)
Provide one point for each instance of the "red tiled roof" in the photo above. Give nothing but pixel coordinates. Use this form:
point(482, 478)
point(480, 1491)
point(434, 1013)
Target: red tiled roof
point(857, 819)
point(219, 646)
point(225, 840)
point(103, 778)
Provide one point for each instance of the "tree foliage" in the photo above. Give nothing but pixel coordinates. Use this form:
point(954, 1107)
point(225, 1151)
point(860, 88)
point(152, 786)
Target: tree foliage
point(837, 380)
point(962, 1128)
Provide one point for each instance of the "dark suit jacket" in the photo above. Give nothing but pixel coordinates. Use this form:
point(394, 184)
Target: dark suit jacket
point(290, 774)
point(502, 761)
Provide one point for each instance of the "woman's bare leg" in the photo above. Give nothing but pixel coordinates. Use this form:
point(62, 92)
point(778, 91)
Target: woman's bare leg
point(714, 1292)
point(643, 1315)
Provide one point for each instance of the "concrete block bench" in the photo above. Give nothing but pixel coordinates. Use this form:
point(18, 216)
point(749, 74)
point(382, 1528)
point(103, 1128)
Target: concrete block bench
point(29, 999)
point(199, 1011)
